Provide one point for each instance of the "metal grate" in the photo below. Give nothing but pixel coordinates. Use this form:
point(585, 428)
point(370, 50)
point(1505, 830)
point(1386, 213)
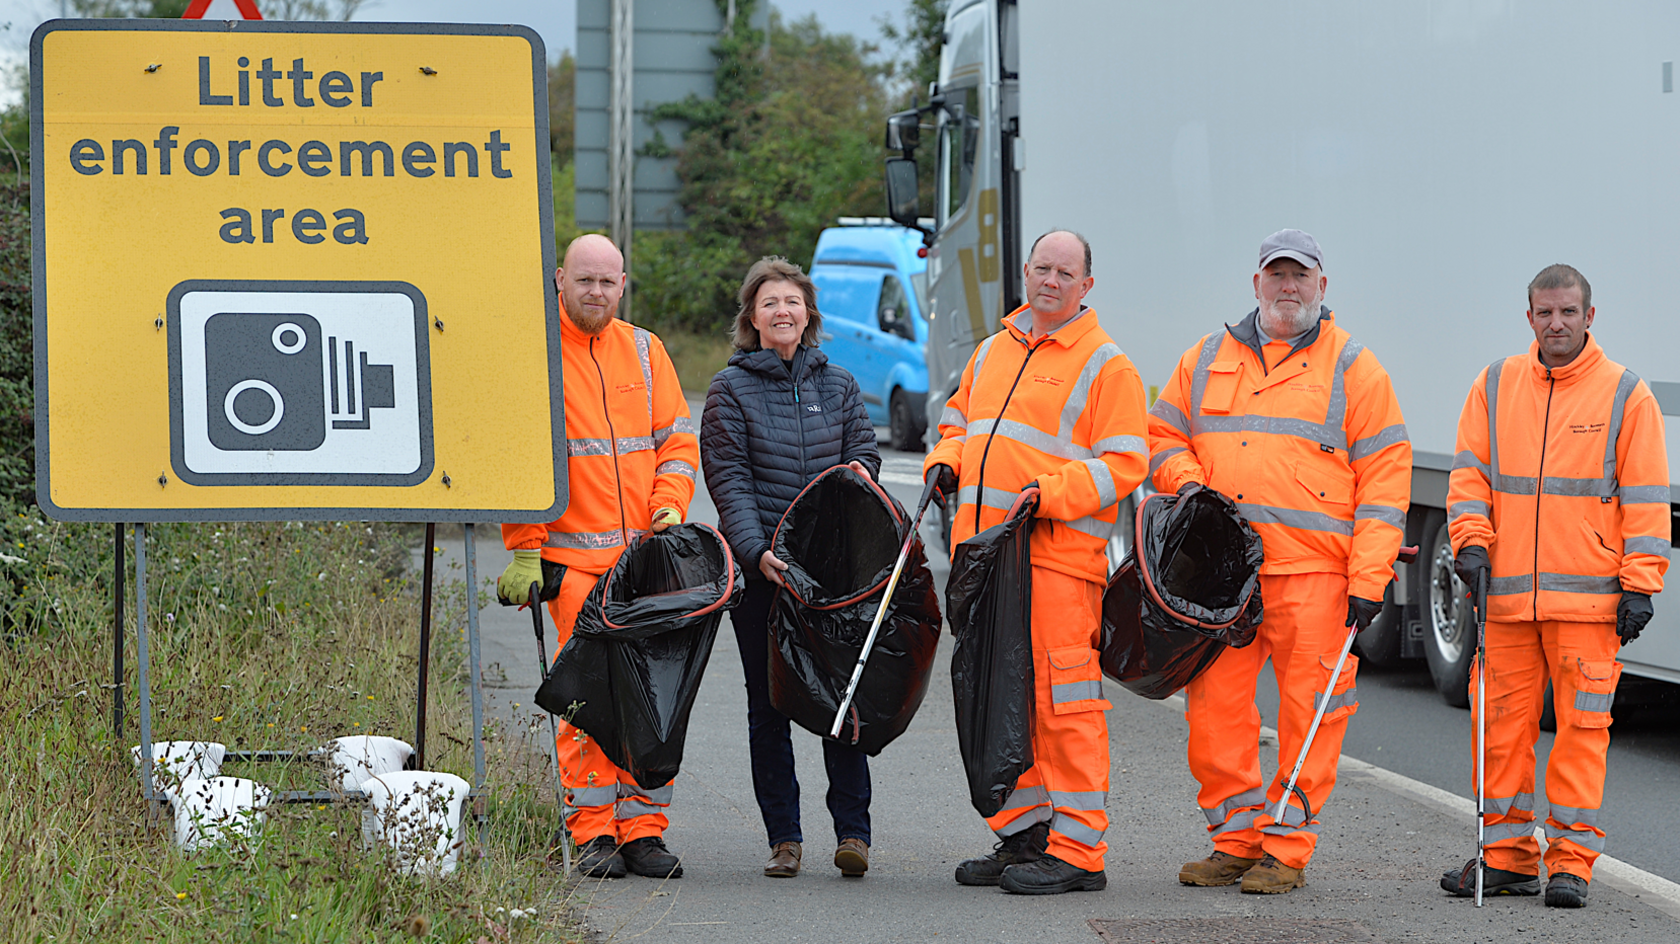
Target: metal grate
point(1234, 930)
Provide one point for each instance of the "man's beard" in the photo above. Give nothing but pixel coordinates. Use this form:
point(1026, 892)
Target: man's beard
point(1281, 324)
point(587, 322)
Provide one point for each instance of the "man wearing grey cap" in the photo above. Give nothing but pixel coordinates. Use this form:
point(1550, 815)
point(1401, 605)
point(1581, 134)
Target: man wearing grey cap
point(1295, 421)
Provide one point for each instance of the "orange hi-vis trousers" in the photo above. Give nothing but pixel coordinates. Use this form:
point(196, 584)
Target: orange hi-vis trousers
point(1303, 633)
point(1067, 785)
point(601, 800)
point(1580, 660)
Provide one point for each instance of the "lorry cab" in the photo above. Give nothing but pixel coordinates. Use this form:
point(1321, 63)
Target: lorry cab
point(871, 281)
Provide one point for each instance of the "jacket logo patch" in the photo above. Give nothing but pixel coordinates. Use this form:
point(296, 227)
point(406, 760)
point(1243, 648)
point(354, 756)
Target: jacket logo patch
point(813, 408)
point(1052, 381)
point(1589, 428)
point(629, 387)
point(1307, 387)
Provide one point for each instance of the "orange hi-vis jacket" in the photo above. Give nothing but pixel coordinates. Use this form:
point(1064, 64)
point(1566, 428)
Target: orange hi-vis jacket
point(631, 447)
point(1578, 451)
point(1065, 410)
point(1307, 440)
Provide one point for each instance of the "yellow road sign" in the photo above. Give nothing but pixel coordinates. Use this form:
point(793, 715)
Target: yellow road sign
point(290, 270)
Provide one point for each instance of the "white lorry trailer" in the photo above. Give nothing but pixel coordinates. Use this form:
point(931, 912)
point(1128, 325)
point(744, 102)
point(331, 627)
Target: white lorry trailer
point(1442, 152)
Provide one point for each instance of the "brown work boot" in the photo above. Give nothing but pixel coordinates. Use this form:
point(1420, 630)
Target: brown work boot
point(1221, 868)
point(784, 860)
point(852, 857)
point(1272, 877)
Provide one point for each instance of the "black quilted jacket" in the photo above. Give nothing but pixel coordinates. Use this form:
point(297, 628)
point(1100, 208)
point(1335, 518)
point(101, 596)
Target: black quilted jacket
point(765, 436)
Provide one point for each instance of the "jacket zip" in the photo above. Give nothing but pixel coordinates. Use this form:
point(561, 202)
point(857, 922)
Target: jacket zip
point(612, 443)
point(1540, 489)
point(980, 496)
point(798, 414)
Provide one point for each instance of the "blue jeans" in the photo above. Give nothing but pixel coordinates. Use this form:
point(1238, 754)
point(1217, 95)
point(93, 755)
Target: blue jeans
point(768, 738)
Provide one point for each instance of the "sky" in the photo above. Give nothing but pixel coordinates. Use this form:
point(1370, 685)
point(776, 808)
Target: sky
point(555, 20)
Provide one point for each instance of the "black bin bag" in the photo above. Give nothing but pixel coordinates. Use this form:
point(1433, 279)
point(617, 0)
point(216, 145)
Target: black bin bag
point(1189, 587)
point(988, 598)
point(640, 646)
point(840, 539)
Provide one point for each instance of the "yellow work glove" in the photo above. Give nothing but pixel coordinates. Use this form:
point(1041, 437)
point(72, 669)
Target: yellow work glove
point(513, 587)
point(664, 518)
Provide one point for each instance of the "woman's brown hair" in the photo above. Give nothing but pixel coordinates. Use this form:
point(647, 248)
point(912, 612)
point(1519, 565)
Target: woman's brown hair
point(775, 269)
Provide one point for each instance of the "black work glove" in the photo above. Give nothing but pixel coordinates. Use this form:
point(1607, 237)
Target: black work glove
point(1632, 614)
point(1472, 560)
point(944, 479)
point(1362, 611)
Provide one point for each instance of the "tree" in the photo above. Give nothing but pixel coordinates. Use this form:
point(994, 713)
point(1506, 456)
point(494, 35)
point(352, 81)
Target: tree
point(562, 85)
point(919, 41)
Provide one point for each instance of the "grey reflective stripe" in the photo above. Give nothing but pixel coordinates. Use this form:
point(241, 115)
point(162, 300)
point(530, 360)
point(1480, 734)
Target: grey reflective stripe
point(590, 541)
point(674, 467)
point(1243, 819)
point(1515, 484)
point(1292, 814)
point(1644, 494)
point(1000, 498)
point(1589, 488)
point(953, 417)
point(1332, 436)
point(660, 795)
point(1502, 586)
point(1081, 392)
point(980, 355)
point(1023, 797)
point(1121, 444)
point(1656, 546)
point(1069, 692)
point(588, 447)
point(1156, 460)
point(1594, 701)
point(1092, 526)
point(1499, 832)
point(1075, 830)
point(1569, 816)
point(1502, 806)
point(1082, 800)
point(1393, 516)
point(1580, 583)
point(1294, 518)
point(683, 424)
point(1171, 415)
point(1624, 389)
point(1468, 508)
point(644, 344)
point(1219, 814)
point(1199, 379)
point(1027, 820)
point(1371, 445)
point(1586, 837)
point(1490, 390)
point(1467, 460)
point(1029, 436)
point(1347, 699)
point(593, 796)
point(1336, 416)
point(635, 444)
point(630, 809)
point(1103, 477)
point(1277, 830)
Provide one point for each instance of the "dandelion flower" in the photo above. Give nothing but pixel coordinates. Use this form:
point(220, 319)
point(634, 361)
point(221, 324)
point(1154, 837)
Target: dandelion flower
point(217, 718)
point(180, 896)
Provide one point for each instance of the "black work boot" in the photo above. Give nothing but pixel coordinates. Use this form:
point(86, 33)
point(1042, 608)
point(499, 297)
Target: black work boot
point(1462, 882)
point(599, 858)
point(648, 856)
point(1048, 875)
point(1564, 890)
point(1025, 846)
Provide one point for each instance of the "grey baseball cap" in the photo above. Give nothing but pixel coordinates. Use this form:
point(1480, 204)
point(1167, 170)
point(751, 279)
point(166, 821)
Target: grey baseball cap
point(1291, 244)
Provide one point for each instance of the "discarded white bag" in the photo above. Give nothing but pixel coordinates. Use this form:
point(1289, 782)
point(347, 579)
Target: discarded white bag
point(209, 812)
point(179, 761)
point(356, 758)
point(416, 814)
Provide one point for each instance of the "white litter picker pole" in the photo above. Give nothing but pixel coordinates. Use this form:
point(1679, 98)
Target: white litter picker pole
point(1318, 717)
point(881, 613)
point(1481, 730)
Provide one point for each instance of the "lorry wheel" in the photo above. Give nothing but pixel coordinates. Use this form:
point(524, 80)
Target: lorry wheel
point(906, 432)
point(1379, 643)
point(1449, 638)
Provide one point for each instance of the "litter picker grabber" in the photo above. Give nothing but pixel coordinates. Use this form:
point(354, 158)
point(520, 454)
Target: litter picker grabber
point(553, 729)
point(881, 613)
point(1481, 731)
point(1407, 555)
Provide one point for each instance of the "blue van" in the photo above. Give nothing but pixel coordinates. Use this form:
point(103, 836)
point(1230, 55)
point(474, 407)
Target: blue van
point(872, 289)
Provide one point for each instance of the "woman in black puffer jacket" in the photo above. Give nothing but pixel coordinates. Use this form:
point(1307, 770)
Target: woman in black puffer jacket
point(778, 415)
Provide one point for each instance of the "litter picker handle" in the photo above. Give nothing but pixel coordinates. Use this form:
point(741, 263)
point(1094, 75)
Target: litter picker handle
point(537, 627)
point(1480, 601)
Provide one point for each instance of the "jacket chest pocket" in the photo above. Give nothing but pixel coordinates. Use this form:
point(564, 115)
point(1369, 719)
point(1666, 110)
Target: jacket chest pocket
point(1220, 394)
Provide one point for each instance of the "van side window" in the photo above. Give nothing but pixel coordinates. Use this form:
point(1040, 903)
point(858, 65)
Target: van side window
point(892, 312)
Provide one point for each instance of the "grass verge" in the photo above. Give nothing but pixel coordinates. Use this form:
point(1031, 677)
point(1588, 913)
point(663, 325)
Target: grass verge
point(697, 357)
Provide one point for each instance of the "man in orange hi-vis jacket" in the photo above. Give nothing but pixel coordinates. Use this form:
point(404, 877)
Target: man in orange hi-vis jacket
point(1562, 439)
point(631, 454)
point(1295, 421)
point(1050, 403)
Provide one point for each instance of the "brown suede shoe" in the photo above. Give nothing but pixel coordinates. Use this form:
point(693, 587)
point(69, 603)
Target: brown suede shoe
point(852, 858)
point(1221, 868)
point(784, 860)
point(1272, 877)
